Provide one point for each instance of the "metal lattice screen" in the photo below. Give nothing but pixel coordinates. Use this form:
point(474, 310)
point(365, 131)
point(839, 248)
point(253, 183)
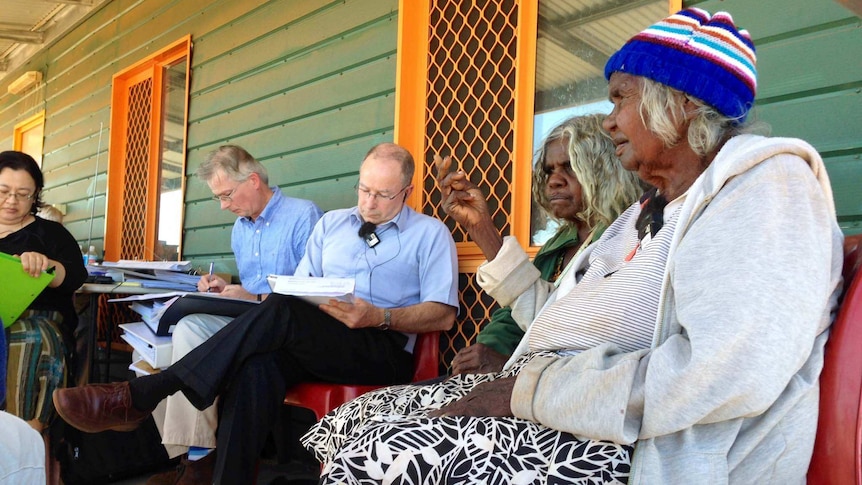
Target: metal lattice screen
point(113, 312)
point(132, 244)
point(137, 165)
point(469, 115)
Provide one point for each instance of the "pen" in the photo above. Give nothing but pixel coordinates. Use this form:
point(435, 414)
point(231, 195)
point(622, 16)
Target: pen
point(211, 275)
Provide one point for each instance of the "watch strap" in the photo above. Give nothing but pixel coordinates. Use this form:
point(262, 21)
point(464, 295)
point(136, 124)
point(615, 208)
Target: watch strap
point(387, 320)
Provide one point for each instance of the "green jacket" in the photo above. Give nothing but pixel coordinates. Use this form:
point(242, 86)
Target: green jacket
point(501, 333)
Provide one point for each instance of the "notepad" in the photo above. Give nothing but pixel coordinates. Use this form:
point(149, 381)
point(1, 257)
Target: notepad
point(19, 288)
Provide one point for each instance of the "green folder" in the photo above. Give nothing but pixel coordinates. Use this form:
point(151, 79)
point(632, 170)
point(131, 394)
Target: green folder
point(19, 288)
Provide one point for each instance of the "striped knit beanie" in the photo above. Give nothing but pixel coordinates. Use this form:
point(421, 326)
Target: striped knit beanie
point(701, 55)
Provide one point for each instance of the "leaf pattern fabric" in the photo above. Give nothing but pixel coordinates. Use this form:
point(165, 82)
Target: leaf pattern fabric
point(385, 437)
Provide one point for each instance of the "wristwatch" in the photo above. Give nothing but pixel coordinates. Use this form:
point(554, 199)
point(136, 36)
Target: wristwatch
point(386, 323)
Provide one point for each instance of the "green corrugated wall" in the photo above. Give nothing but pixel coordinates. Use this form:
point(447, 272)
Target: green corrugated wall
point(809, 63)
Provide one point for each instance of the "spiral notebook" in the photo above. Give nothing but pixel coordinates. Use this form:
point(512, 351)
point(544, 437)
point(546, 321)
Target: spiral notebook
point(19, 288)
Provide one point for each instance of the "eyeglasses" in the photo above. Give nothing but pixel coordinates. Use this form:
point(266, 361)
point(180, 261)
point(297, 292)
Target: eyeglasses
point(378, 196)
point(16, 196)
point(229, 196)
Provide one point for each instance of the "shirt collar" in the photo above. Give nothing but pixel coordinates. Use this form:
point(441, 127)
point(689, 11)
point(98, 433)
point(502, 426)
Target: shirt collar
point(270, 207)
point(400, 218)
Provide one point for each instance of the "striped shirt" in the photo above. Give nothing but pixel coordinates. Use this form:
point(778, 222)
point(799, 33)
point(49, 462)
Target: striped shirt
point(616, 300)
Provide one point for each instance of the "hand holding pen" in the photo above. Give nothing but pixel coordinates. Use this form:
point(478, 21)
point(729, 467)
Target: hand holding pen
point(209, 289)
point(211, 283)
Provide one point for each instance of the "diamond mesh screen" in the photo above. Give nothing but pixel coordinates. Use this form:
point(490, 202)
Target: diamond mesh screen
point(110, 316)
point(469, 115)
point(137, 155)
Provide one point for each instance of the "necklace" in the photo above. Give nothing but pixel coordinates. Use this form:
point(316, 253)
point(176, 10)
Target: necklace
point(562, 271)
point(558, 265)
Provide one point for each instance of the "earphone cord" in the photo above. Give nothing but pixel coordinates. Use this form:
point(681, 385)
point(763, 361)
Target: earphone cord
point(372, 268)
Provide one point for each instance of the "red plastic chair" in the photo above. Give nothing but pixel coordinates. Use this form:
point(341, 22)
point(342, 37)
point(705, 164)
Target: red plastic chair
point(837, 457)
point(322, 397)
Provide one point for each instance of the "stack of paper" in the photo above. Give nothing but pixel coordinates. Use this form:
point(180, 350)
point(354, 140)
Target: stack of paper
point(152, 310)
point(313, 290)
point(177, 277)
point(159, 283)
point(170, 275)
point(150, 265)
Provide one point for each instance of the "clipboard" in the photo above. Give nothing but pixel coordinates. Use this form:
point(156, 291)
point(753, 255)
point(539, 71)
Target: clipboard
point(20, 289)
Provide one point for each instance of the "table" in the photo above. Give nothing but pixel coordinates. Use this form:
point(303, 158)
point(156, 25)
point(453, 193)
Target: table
point(91, 313)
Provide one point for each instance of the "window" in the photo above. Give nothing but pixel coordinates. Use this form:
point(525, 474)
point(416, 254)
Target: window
point(28, 136)
point(573, 44)
point(146, 171)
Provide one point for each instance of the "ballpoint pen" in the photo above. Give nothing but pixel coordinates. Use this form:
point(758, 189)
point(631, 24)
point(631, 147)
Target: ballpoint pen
point(209, 289)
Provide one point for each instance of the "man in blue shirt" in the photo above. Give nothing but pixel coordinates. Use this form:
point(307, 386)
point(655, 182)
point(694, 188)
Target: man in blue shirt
point(268, 237)
point(405, 267)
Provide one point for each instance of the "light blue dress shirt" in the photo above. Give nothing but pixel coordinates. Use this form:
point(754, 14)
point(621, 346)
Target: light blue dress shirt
point(274, 243)
point(414, 262)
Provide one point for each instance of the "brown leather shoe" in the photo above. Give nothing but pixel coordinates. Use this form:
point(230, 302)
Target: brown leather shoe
point(99, 407)
point(199, 472)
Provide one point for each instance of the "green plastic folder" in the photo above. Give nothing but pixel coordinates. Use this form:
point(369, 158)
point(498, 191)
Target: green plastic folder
point(19, 288)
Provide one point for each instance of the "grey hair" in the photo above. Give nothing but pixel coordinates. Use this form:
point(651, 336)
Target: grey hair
point(234, 161)
point(606, 187)
point(662, 108)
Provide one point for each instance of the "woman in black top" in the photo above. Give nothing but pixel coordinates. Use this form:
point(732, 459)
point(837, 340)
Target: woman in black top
point(47, 326)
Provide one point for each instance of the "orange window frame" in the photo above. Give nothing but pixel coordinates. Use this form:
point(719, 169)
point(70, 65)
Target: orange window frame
point(150, 67)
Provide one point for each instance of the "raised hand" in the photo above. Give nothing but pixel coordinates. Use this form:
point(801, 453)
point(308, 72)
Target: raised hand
point(464, 202)
point(462, 199)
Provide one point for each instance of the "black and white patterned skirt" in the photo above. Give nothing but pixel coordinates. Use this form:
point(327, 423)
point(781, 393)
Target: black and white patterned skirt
point(385, 436)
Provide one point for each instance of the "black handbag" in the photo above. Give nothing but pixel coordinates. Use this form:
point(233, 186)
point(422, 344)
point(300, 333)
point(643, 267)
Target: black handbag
point(96, 458)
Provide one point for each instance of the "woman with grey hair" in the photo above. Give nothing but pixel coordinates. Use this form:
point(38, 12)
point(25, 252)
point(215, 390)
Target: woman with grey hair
point(676, 358)
point(579, 184)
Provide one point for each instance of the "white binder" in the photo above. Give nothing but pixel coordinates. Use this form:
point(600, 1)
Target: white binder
point(154, 349)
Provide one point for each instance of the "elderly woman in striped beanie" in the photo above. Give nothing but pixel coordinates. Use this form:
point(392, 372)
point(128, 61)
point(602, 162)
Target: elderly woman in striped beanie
point(690, 348)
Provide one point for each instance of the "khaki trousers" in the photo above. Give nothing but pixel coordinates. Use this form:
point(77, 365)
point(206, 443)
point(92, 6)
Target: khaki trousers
point(184, 425)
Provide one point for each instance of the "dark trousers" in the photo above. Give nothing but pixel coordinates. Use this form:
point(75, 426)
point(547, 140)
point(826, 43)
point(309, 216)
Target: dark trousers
point(252, 361)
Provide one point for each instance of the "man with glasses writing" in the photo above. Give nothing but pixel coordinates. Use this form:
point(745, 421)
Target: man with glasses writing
point(268, 237)
point(406, 272)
